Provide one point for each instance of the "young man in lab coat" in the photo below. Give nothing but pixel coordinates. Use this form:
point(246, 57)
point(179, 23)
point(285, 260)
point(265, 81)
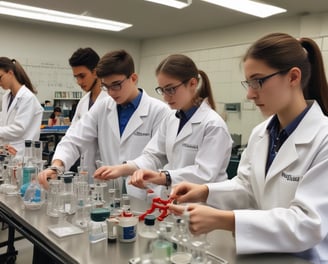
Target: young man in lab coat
point(83, 62)
point(122, 124)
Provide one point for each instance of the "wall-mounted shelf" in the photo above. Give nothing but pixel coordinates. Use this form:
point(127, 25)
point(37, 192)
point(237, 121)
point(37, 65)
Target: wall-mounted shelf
point(69, 95)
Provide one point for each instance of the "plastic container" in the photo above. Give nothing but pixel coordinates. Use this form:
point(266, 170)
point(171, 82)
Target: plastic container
point(97, 225)
point(127, 229)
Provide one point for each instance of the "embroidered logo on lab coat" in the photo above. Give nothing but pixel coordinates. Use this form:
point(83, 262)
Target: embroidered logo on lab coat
point(141, 134)
point(186, 145)
point(289, 177)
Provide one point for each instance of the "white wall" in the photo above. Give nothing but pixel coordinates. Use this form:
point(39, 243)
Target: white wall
point(44, 50)
point(219, 53)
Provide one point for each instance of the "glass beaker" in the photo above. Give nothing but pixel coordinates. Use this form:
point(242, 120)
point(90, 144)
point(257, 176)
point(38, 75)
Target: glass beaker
point(83, 173)
point(67, 196)
point(83, 208)
point(53, 199)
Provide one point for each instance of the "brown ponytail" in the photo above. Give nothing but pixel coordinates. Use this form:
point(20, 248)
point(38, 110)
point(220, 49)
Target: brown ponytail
point(13, 65)
point(317, 87)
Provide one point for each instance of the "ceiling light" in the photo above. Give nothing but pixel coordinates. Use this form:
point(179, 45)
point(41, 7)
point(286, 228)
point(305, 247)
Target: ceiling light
point(249, 7)
point(53, 16)
point(173, 3)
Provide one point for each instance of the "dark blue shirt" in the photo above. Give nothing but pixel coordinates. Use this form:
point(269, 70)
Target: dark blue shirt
point(90, 102)
point(126, 111)
point(278, 138)
point(185, 116)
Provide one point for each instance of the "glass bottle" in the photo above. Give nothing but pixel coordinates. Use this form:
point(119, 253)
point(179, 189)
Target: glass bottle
point(114, 197)
point(161, 250)
point(147, 236)
point(53, 201)
point(82, 215)
point(97, 225)
point(37, 151)
point(199, 246)
point(34, 195)
point(28, 168)
point(67, 198)
point(180, 238)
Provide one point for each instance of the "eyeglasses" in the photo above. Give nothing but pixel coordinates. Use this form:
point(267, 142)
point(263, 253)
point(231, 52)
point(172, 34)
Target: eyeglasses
point(168, 90)
point(114, 86)
point(257, 83)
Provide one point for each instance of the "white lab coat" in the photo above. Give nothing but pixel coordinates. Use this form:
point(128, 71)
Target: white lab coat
point(101, 123)
point(200, 153)
point(286, 210)
point(22, 121)
point(90, 151)
point(83, 105)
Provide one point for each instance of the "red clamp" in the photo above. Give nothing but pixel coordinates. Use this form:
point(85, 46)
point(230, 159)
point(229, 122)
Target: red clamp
point(162, 207)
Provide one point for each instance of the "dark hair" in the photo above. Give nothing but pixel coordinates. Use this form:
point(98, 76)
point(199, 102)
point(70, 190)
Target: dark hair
point(281, 51)
point(115, 62)
point(84, 57)
point(56, 109)
point(183, 68)
point(12, 65)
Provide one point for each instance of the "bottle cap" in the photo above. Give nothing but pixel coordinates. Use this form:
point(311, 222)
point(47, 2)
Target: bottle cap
point(28, 143)
point(68, 178)
point(150, 220)
point(99, 214)
point(37, 144)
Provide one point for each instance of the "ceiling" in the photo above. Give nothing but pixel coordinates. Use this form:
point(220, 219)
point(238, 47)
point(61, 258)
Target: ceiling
point(152, 20)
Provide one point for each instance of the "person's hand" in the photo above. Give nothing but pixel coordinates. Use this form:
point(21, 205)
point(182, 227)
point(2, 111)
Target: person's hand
point(45, 175)
point(140, 178)
point(108, 172)
point(202, 219)
point(113, 172)
point(11, 150)
point(189, 192)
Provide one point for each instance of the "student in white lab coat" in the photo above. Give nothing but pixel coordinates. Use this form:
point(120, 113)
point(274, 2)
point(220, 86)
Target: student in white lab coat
point(21, 113)
point(83, 63)
point(278, 200)
point(192, 144)
point(122, 123)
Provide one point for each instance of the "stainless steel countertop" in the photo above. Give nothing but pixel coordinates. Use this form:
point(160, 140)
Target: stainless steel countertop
point(77, 248)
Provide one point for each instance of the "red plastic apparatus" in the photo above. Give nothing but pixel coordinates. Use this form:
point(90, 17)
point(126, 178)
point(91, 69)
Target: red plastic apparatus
point(159, 204)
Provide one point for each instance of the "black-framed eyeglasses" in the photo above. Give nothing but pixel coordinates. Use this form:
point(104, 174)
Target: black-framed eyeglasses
point(116, 86)
point(168, 90)
point(257, 83)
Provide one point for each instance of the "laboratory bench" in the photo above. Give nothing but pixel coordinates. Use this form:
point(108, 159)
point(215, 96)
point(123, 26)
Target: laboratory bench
point(33, 224)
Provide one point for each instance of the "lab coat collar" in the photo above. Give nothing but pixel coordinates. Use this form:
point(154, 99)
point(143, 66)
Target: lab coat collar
point(197, 118)
point(21, 92)
point(303, 134)
point(136, 119)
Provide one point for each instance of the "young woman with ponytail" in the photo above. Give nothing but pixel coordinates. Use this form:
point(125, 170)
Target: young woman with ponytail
point(278, 200)
point(192, 144)
point(21, 114)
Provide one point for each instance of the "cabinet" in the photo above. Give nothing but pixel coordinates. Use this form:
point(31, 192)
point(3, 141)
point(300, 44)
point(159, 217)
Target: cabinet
point(67, 101)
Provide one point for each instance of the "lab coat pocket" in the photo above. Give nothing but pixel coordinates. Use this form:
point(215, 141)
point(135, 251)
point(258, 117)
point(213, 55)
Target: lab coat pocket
point(289, 182)
point(189, 152)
